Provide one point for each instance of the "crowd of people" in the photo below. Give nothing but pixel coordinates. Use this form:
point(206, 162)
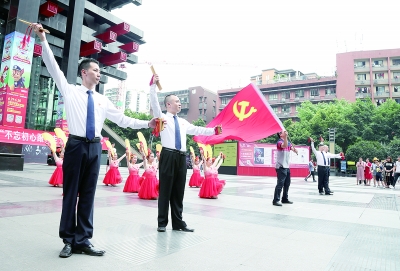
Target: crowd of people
point(384, 173)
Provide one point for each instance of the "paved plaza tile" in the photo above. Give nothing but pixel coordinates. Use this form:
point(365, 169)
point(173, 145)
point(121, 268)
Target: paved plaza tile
point(357, 228)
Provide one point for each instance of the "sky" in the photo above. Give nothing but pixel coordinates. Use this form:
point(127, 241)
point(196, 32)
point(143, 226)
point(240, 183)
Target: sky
point(220, 44)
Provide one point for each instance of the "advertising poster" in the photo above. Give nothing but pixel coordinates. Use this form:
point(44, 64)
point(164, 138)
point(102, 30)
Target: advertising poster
point(264, 155)
point(15, 73)
point(230, 152)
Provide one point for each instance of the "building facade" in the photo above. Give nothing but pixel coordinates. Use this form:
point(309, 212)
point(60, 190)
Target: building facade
point(373, 74)
point(196, 103)
point(286, 90)
point(137, 101)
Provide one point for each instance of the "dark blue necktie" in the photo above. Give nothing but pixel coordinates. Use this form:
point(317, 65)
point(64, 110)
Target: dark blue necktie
point(90, 116)
point(177, 134)
point(323, 156)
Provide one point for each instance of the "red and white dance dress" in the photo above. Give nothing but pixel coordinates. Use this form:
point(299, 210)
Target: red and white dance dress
point(132, 184)
point(209, 188)
point(56, 178)
point(196, 179)
point(113, 176)
point(149, 186)
point(220, 183)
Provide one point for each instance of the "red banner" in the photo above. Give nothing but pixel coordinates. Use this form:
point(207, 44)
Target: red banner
point(248, 117)
point(31, 137)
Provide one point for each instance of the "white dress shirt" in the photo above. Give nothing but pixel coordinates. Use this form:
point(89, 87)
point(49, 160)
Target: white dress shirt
point(76, 99)
point(320, 157)
point(168, 134)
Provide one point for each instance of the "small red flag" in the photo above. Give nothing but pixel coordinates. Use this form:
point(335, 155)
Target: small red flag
point(248, 117)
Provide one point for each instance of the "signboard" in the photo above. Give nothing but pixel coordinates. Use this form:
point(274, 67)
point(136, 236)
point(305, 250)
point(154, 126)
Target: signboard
point(15, 73)
point(264, 155)
point(343, 165)
point(229, 150)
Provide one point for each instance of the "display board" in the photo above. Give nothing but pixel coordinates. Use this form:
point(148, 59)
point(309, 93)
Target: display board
point(230, 152)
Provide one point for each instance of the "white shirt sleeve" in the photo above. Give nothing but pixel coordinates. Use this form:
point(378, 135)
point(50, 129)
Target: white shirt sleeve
point(313, 148)
point(123, 121)
point(155, 106)
point(54, 69)
point(332, 155)
point(197, 130)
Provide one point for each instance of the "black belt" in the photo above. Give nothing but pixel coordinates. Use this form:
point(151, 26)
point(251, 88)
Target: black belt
point(323, 166)
point(173, 150)
point(84, 139)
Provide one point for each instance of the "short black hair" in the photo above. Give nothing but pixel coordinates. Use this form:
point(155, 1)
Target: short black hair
point(165, 99)
point(279, 135)
point(85, 64)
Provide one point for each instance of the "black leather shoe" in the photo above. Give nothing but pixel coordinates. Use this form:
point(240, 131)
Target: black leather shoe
point(329, 193)
point(161, 229)
point(184, 229)
point(90, 250)
point(276, 203)
point(287, 201)
point(66, 251)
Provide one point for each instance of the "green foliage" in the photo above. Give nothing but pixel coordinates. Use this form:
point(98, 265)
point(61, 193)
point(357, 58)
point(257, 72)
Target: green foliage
point(189, 138)
point(366, 149)
point(131, 134)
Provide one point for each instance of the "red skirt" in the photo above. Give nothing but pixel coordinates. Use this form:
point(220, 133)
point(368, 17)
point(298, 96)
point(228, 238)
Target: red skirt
point(196, 179)
point(57, 177)
point(220, 185)
point(149, 188)
point(132, 184)
point(112, 177)
point(209, 188)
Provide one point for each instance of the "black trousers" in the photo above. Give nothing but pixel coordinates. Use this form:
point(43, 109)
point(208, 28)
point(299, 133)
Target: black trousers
point(283, 181)
point(312, 173)
point(323, 179)
point(172, 174)
point(396, 176)
point(81, 167)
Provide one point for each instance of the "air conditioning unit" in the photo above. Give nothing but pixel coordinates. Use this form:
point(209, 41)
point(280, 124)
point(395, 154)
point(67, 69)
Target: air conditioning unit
point(355, 65)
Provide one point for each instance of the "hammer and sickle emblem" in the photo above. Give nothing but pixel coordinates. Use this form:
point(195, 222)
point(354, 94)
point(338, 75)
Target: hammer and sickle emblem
point(243, 105)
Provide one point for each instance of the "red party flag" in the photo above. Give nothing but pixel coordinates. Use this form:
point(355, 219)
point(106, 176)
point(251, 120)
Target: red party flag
point(248, 117)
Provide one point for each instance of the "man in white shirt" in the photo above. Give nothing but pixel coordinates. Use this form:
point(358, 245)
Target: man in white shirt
point(172, 165)
point(86, 111)
point(322, 156)
point(396, 171)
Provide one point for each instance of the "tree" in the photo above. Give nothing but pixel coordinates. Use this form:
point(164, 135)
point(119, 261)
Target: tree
point(189, 138)
point(365, 149)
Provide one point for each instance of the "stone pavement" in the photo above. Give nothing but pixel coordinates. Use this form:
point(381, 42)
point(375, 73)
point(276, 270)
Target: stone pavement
point(357, 228)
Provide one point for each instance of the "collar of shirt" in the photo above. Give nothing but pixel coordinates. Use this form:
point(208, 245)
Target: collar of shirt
point(168, 134)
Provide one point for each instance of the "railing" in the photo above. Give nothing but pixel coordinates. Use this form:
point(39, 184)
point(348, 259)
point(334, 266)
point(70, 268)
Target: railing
point(381, 81)
point(362, 68)
point(381, 94)
point(379, 67)
point(395, 67)
point(363, 82)
point(362, 95)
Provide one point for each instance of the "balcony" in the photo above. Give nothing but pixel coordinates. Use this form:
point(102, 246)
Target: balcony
point(363, 82)
point(395, 80)
point(364, 68)
point(381, 81)
point(274, 101)
point(283, 115)
point(381, 94)
point(379, 67)
point(395, 67)
point(395, 94)
point(363, 95)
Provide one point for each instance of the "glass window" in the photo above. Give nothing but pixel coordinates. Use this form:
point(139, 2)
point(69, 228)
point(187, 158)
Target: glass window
point(330, 91)
point(299, 93)
point(286, 95)
point(314, 92)
point(285, 108)
point(273, 96)
point(379, 75)
point(362, 76)
point(275, 109)
point(377, 63)
point(396, 62)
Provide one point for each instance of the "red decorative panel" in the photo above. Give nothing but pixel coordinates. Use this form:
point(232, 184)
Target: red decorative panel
point(112, 59)
point(269, 171)
point(130, 47)
point(90, 48)
point(37, 50)
point(48, 9)
point(107, 37)
point(120, 29)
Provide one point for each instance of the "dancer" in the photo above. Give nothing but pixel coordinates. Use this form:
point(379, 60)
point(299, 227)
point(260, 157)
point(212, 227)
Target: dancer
point(196, 179)
point(86, 111)
point(217, 162)
point(367, 172)
point(209, 188)
point(360, 171)
point(149, 186)
point(113, 176)
point(173, 159)
point(132, 183)
point(109, 155)
point(56, 178)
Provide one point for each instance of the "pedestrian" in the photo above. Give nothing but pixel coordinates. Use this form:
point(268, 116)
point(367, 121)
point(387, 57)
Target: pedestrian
point(396, 171)
point(323, 156)
point(172, 164)
point(360, 171)
point(311, 169)
point(86, 111)
point(282, 168)
point(389, 167)
point(379, 169)
point(367, 172)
